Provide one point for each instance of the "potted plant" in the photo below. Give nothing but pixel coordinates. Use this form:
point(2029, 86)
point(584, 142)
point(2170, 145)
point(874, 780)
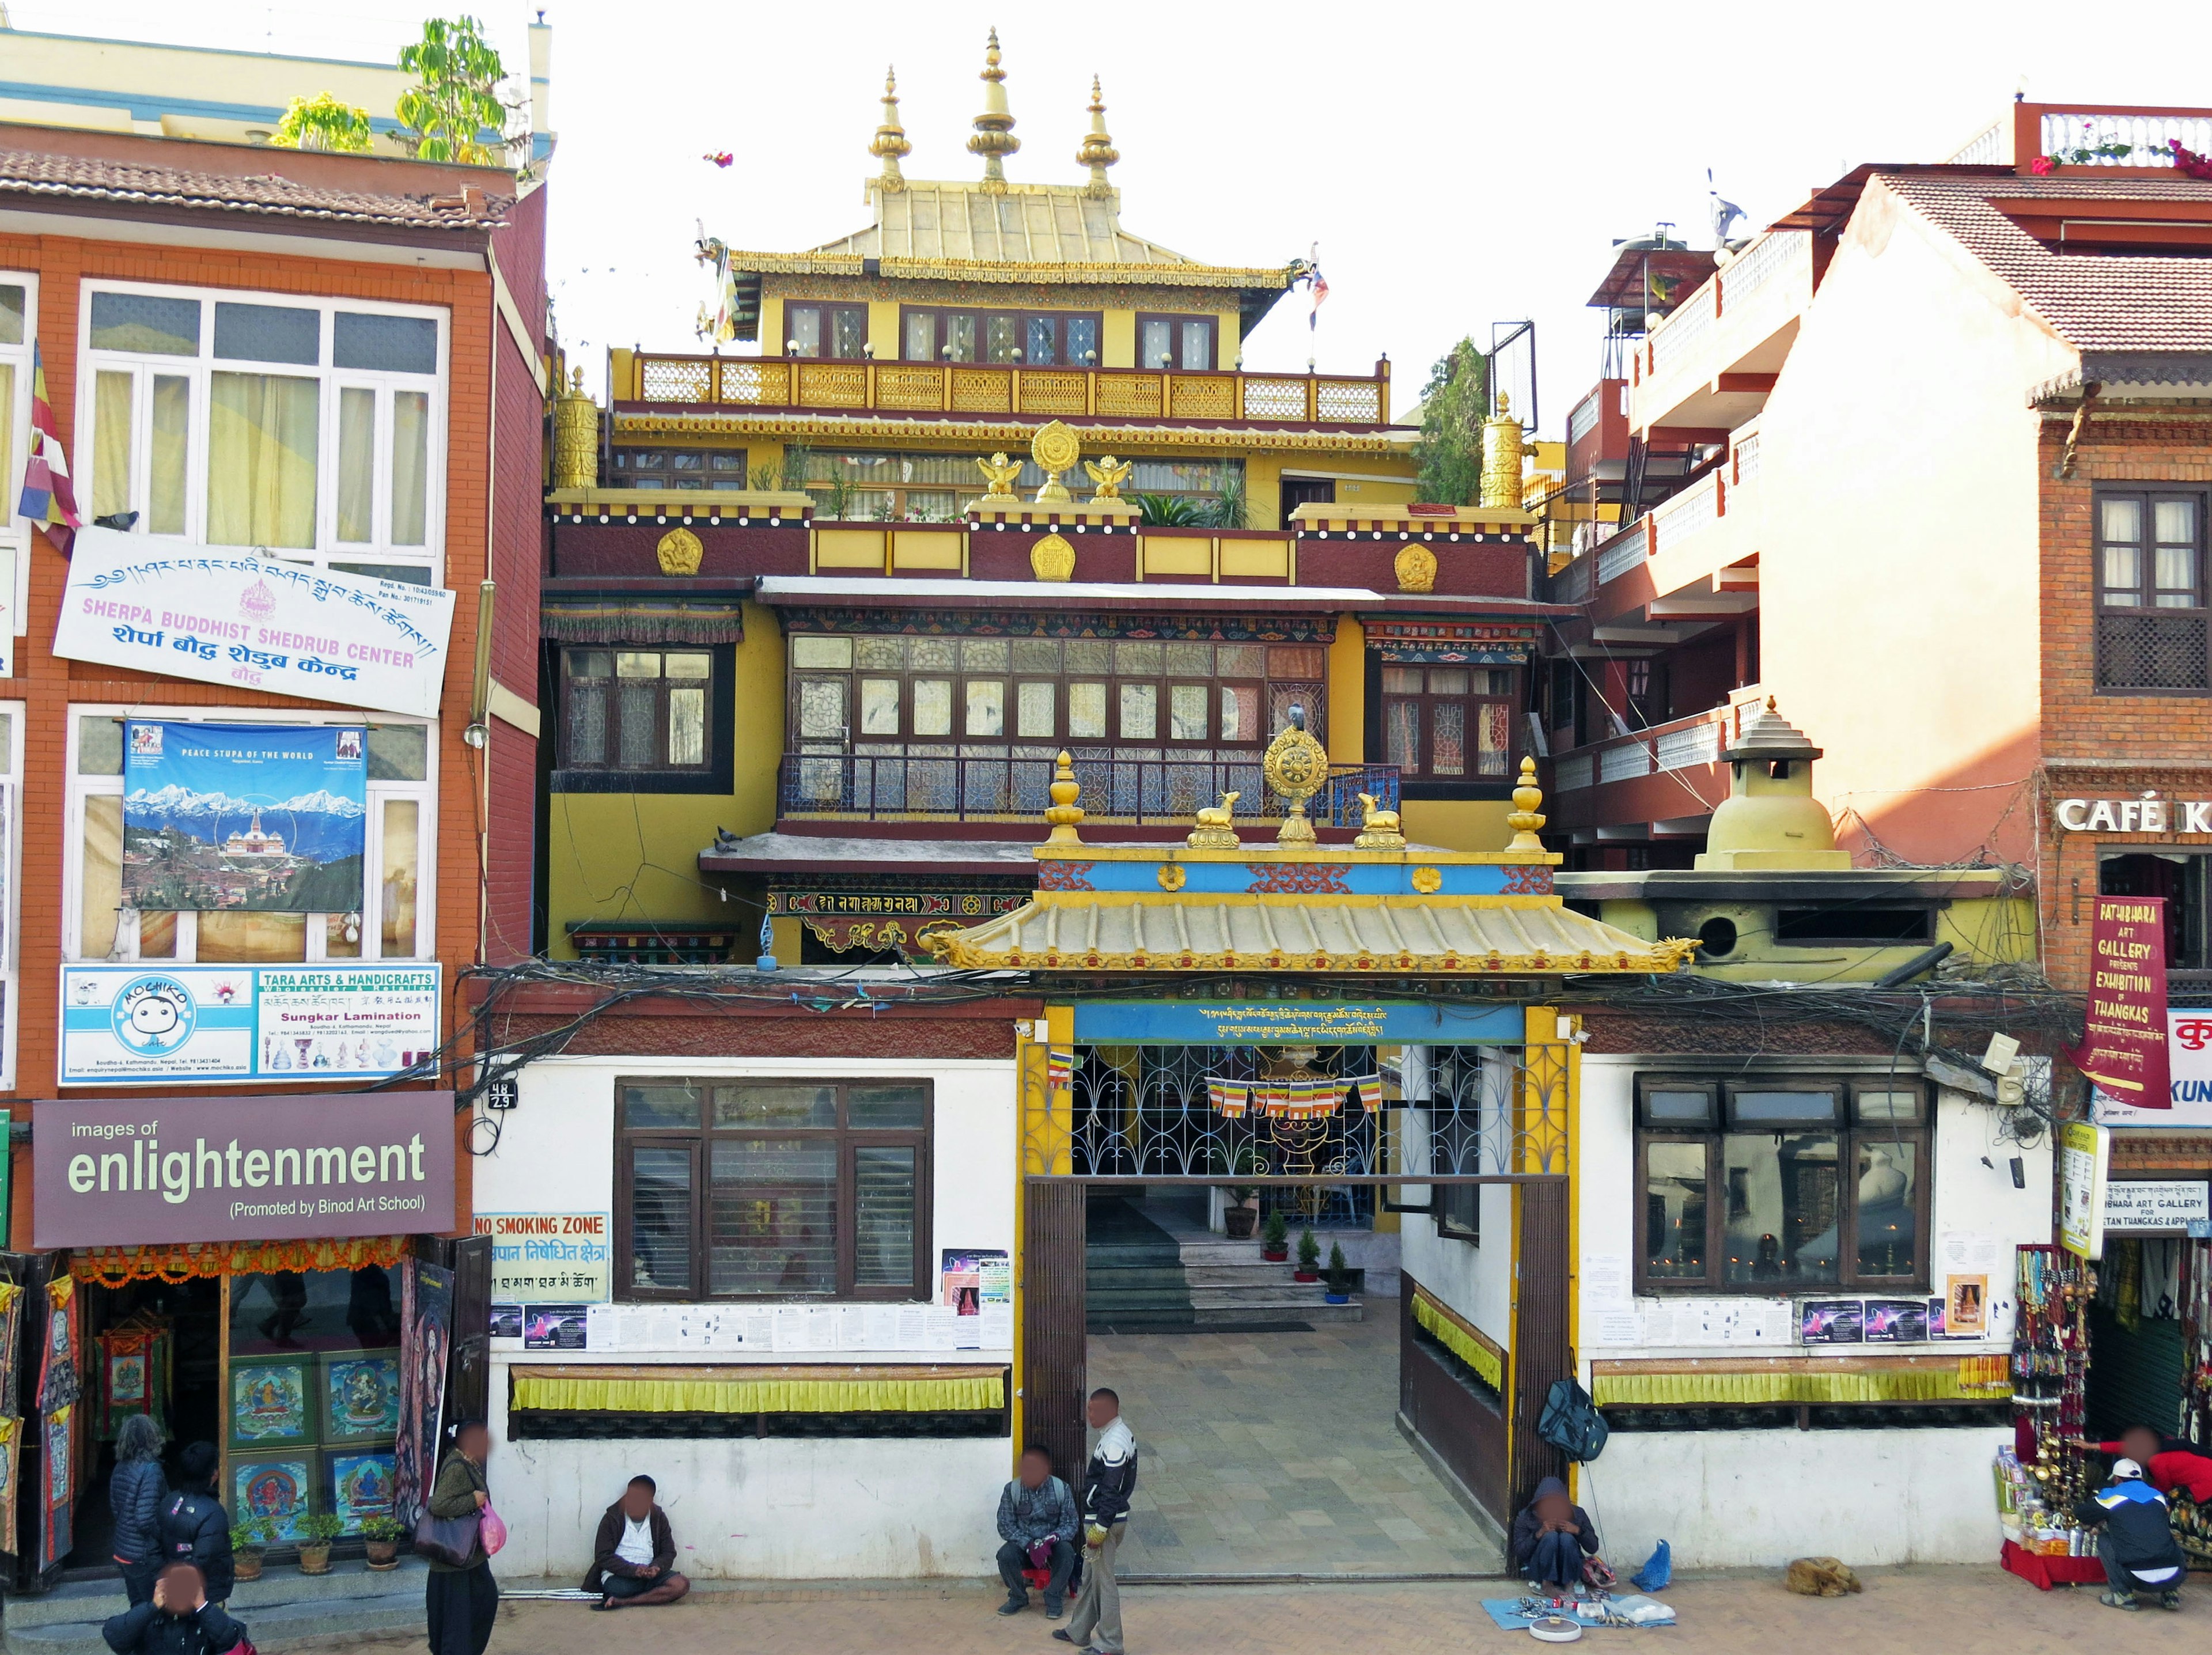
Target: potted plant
point(1275, 1240)
point(316, 1530)
point(1242, 1215)
point(381, 1535)
point(1338, 1276)
point(249, 1539)
point(1309, 1258)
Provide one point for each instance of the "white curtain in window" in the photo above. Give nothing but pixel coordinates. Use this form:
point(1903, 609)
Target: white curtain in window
point(262, 436)
point(411, 468)
point(9, 469)
point(356, 463)
point(110, 444)
point(101, 888)
point(167, 482)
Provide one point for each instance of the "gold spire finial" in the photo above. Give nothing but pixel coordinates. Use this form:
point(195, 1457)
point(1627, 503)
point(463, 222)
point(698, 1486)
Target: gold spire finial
point(1064, 812)
point(891, 137)
point(994, 138)
point(1524, 821)
point(1097, 152)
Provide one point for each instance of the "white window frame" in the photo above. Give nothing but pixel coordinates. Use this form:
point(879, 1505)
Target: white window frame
point(11, 869)
point(328, 549)
point(15, 530)
point(81, 787)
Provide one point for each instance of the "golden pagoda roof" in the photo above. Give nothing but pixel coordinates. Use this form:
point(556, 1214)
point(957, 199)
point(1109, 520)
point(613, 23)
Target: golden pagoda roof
point(1022, 224)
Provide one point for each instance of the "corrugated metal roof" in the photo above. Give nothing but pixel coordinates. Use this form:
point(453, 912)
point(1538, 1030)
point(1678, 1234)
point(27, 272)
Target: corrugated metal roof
point(1029, 224)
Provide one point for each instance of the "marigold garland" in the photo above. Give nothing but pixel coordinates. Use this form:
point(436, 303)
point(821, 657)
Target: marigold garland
point(112, 1267)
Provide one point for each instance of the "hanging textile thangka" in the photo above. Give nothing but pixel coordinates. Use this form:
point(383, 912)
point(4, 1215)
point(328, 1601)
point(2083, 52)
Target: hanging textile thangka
point(11, 1337)
point(11, 1435)
point(58, 1380)
point(1292, 1097)
point(56, 1532)
point(133, 1377)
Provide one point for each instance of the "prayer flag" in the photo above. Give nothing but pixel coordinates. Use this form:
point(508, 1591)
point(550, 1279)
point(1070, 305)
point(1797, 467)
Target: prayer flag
point(47, 498)
point(1060, 1067)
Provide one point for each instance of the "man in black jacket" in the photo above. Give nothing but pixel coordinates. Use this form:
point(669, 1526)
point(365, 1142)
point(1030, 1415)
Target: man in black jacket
point(634, 1556)
point(194, 1527)
point(178, 1621)
point(2135, 1539)
point(1108, 1484)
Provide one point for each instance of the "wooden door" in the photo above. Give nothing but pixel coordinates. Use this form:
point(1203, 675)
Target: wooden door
point(468, 1373)
point(1541, 1355)
point(1052, 1375)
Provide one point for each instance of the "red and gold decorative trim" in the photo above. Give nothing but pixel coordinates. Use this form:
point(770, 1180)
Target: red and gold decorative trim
point(111, 1267)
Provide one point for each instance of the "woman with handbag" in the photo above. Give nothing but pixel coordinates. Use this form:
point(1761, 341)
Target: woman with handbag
point(462, 1597)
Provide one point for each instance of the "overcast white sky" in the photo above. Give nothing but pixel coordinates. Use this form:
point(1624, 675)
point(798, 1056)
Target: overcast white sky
point(1458, 164)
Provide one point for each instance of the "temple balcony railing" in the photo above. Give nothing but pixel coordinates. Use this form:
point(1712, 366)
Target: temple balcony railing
point(947, 784)
point(812, 385)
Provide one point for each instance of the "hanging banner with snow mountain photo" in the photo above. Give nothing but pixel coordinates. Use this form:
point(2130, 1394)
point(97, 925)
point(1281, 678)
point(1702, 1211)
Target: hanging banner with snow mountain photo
point(268, 817)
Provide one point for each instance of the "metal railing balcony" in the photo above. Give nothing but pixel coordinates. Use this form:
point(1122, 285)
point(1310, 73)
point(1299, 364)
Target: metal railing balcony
point(945, 784)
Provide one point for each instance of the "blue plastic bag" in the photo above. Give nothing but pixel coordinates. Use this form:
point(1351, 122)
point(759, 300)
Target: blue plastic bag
point(1658, 1569)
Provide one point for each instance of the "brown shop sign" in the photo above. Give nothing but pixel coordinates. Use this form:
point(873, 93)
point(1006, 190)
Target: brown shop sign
point(112, 1172)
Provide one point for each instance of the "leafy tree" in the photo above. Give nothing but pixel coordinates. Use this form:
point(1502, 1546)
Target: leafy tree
point(1449, 451)
point(455, 100)
point(324, 121)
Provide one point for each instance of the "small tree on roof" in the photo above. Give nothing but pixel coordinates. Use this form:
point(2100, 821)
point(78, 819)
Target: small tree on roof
point(455, 100)
point(324, 121)
point(1449, 451)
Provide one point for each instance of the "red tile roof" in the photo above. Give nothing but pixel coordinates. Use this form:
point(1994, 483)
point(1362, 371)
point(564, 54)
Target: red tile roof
point(85, 178)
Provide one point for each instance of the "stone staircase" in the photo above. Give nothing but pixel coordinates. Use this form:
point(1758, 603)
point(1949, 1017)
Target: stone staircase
point(1152, 1270)
point(1133, 1279)
point(279, 1610)
point(1231, 1285)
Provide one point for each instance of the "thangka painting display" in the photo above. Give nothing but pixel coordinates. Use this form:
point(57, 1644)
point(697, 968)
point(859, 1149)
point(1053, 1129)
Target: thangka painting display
point(11, 1336)
point(273, 1490)
point(360, 1399)
point(134, 1377)
point(57, 1536)
point(1296, 1098)
point(271, 818)
point(426, 1317)
point(360, 1487)
point(11, 1437)
point(59, 1382)
point(268, 1405)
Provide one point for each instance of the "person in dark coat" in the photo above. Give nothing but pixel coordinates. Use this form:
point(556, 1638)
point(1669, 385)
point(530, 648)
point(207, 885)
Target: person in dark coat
point(1550, 1537)
point(135, 1495)
point(633, 1559)
point(176, 1619)
point(2135, 1539)
point(194, 1527)
point(462, 1599)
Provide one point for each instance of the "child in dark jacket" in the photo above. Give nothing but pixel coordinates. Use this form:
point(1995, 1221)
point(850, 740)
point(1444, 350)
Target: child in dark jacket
point(176, 1620)
point(194, 1528)
point(1550, 1537)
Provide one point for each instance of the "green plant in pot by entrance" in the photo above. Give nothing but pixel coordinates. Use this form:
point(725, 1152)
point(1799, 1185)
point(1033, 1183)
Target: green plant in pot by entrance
point(1240, 1216)
point(380, 1535)
point(1309, 1258)
point(249, 1540)
point(1338, 1276)
point(316, 1530)
point(1275, 1240)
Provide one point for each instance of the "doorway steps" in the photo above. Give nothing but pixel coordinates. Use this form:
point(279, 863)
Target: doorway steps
point(1231, 1285)
point(279, 1610)
point(1133, 1273)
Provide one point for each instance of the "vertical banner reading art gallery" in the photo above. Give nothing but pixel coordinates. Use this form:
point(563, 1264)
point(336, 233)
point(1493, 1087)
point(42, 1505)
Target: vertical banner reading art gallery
point(278, 1236)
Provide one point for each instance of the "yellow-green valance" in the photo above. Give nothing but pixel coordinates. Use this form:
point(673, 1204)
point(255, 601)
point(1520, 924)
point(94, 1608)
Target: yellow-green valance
point(774, 1391)
point(1463, 1341)
point(1935, 1383)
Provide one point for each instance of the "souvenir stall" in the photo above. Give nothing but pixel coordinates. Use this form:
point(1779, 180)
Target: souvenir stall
point(2042, 1475)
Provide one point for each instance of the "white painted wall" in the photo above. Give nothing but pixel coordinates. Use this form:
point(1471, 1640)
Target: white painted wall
point(1475, 1280)
point(783, 1508)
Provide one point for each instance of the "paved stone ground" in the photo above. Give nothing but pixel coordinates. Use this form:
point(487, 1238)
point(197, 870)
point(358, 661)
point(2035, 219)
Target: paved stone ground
point(1278, 1453)
point(1957, 1611)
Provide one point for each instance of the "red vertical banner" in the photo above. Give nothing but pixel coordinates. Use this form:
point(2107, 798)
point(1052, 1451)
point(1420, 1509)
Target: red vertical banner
point(2123, 1046)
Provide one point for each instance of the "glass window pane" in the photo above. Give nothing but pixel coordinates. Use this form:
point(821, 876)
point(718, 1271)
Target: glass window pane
point(1190, 660)
point(587, 722)
point(1241, 660)
point(168, 476)
point(659, 1106)
point(243, 937)
point(1494, 735)
point(932, 654)
point(687, 665)
point(157, 935)
point(636, 719)
point(933, 706)
point(1447, 737)
point(879, 706)
point(2175, 521)
point(1447, 680)
point(986, 706)
point(772, 1216)
point(262, 442)
point(849, 333)
point(400, 752)
point(410, 467)
point(1401, 734)
point(660, 1217)
point(1687, 1107)
point(1083, 338)
point(1138, 660)
point(267, 333)
point(356, 463)
point(1889, 1225)
point(1401, 680)
point(1240, 712)
point(111, 427)
point(1782, 1208)
point(1197, 347)
point(2177, 576)
point(2123, 575)
point(960, 337)
point(880, 1107)
point(1294, 660)
point(767, 1104)
point(99, 745)
point(687, 725)
point(883, 1216)
point(8, 468)
point(802, 330)
point(341, 936)
point(1040, 341)
point(1748, 1107)
point(920, 336)
point(1036, 654)
point(1887, 1106)
point(1141, 712)
point(983, 654)
point(822, 654)
point(1034, 709)
point(12, 301)
point(880, 653)
point(1157, 350)
point(402, 862)
point(1089, 656)
point(2123, 520)
point(1187, 712)
point(1086, 710)
point(145, 325)
point(382, 344)
point(1674, 1212)
point(100, 886)
point(1000, 337)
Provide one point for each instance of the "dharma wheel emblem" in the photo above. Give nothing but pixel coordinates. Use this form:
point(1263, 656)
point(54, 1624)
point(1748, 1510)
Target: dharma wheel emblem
point(1296, 767)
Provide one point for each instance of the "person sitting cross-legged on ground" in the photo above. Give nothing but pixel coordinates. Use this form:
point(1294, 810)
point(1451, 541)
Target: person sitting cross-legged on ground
point(632, 1558)
point(1037, 1521)
point(176, 1620)
point(1550, 1537)
point(2135, 1539)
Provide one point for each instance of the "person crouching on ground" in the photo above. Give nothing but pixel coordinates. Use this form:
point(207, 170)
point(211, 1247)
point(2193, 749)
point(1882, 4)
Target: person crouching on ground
point(632, 1558)
point(176, 1620)
point(1550, 1537)
point(1037, 1522)
point(2135, 1539)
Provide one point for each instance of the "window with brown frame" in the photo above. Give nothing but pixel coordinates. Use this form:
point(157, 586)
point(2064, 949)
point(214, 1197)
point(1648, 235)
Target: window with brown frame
point(1778, 1184)
point(772, 1189)
point(636, 709)
point(2151, 577)
point(1183, 344)
point(838, 330)
point(1448, 723)
point(1038, 338)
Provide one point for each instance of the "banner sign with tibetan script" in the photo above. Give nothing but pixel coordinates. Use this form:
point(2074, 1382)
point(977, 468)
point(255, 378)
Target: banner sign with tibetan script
point(232, 618)
point(2123, 1047)
point(1295, 1023)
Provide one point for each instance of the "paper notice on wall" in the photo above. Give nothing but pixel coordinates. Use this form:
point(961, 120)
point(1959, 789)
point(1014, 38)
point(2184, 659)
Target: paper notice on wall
point(912, 1328)
point(603, 1327)
point(880, 1326)
point(1606, 1279)
point(996, 1331)
point(1976, 1296)
point(1617, 1327)
point(1657, 1316)
point(940, 1328)
point(790, 1327)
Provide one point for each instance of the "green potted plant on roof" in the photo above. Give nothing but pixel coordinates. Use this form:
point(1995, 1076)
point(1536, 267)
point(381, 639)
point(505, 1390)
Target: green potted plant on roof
point(380, 1537)
point(250, 1541)
point(1275, 1240)
point(1309, 1258)
point(1338, 1276)
point(316, 1530)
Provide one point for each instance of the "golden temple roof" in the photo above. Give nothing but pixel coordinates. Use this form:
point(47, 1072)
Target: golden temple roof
point(946, 221)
